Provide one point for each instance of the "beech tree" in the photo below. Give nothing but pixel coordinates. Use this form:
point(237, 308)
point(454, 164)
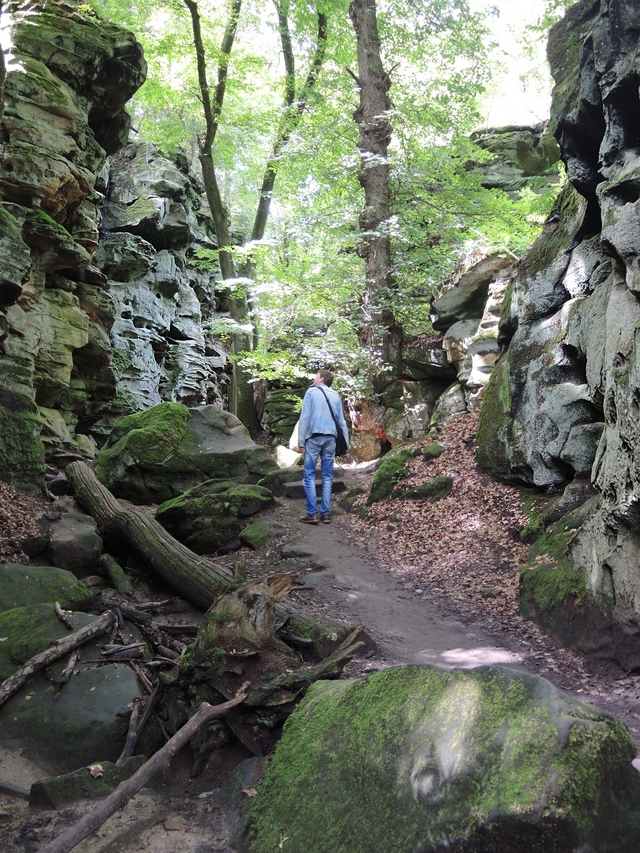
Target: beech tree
point(378, 329)
point(293, 172)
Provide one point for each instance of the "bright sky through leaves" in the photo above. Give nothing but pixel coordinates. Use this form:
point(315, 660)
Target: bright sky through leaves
point(521, 93)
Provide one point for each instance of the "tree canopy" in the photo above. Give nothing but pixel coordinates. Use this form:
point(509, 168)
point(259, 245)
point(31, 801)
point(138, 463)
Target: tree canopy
point(309, 279)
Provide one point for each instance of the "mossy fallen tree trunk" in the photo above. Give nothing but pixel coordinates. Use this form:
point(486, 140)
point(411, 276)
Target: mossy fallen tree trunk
point(198, 580)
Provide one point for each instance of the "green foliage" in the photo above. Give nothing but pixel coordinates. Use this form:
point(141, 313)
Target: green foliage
point(309, 279)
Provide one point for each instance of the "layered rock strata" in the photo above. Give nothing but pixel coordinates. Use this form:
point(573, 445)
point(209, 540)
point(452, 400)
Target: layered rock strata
point(68, 77)
point(156, 233)
point(565, 401)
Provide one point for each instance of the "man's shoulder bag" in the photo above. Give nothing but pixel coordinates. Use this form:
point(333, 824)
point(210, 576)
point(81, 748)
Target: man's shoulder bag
point(341, 444)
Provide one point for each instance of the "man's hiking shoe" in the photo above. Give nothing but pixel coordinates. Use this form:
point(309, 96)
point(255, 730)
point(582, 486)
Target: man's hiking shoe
point(309, 519)
point(326, 519)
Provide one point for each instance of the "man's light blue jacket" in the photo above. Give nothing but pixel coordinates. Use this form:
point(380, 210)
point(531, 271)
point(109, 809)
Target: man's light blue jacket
point(315, 417)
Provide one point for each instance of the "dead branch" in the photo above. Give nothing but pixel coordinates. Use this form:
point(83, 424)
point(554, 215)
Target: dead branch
point(125, 790)
point(132, 733)
point(62, 616)
point(56, 650)
point(68, 670)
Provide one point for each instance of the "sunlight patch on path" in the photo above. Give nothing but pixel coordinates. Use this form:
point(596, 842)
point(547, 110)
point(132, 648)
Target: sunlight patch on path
point(470, 658)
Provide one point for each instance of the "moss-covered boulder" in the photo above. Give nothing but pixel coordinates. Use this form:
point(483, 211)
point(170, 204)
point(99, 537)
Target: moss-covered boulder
point(432, 451)
point(24, 585)
point(158, 454)
point(276, 480)
point(392, 470)
point(433, 490)
point(557, 592)
point(419, 759)
point(82, 784)
point(62, 728)
point(256, 535)
point(21, 451)
point(209, 516)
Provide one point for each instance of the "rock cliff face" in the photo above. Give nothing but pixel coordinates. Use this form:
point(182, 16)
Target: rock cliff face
point(102, 301)
point(68, 77)
point(564, 403)
point(153, 225)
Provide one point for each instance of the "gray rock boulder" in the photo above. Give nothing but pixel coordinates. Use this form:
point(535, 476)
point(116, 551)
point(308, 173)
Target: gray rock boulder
point(24, 585)
point(71, 726)
point(160, 453)
point(467, 298)
point(416, 758)
point(409, 408)
point(520, 153)
point(212, 514)
point(74, 543)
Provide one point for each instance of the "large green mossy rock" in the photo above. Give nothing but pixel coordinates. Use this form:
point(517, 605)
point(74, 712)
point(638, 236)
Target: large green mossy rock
point(392, 470)
point(209, 516)
point(158, 454)
point(62, 728)
point(24, 585)
point(420, 760)
point(21, 451)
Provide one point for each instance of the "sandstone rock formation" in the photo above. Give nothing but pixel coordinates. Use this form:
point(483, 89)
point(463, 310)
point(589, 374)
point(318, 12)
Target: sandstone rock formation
point(156, 455)
point(68, 77)
point(565, 401)
point(153, 227)
point(522, 157)
point(103, 299)
point(416, 758)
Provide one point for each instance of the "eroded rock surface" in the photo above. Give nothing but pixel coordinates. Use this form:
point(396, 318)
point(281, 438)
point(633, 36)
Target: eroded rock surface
point(565, 402)
point(69, 75)
point(415, 758)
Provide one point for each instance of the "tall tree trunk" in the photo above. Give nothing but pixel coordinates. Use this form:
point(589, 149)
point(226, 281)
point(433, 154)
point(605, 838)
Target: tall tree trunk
point(241, 402)
point(378, 332)
point(294, 107)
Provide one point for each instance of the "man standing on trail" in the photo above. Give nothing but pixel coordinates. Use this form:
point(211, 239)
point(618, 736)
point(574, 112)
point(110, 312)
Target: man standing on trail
point(320, 418)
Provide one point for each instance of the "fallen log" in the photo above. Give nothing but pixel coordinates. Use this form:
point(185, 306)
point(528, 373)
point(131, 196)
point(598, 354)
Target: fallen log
point(195, 578)
point(54, 652)
point(125, 790)
point(198, 580)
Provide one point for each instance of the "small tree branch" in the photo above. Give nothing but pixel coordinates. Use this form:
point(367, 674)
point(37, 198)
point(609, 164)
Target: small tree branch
point(125, 790)
point(58, 649)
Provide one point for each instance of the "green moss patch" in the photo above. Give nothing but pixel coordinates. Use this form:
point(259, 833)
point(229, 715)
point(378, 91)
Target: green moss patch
point(21, 451)
point(21, 586)
point(256, 535)
point(432, 451)
point(153, 435)
point(434, 490)
point(414, 755)
point(549, 581)
point(495, 418)
point(210, 515)
point(392, 470)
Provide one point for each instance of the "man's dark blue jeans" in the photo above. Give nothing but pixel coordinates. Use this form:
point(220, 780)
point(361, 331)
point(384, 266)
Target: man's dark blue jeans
point(323, 446)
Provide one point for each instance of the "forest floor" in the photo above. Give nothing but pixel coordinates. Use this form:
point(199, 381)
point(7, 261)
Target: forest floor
point(433, 583)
